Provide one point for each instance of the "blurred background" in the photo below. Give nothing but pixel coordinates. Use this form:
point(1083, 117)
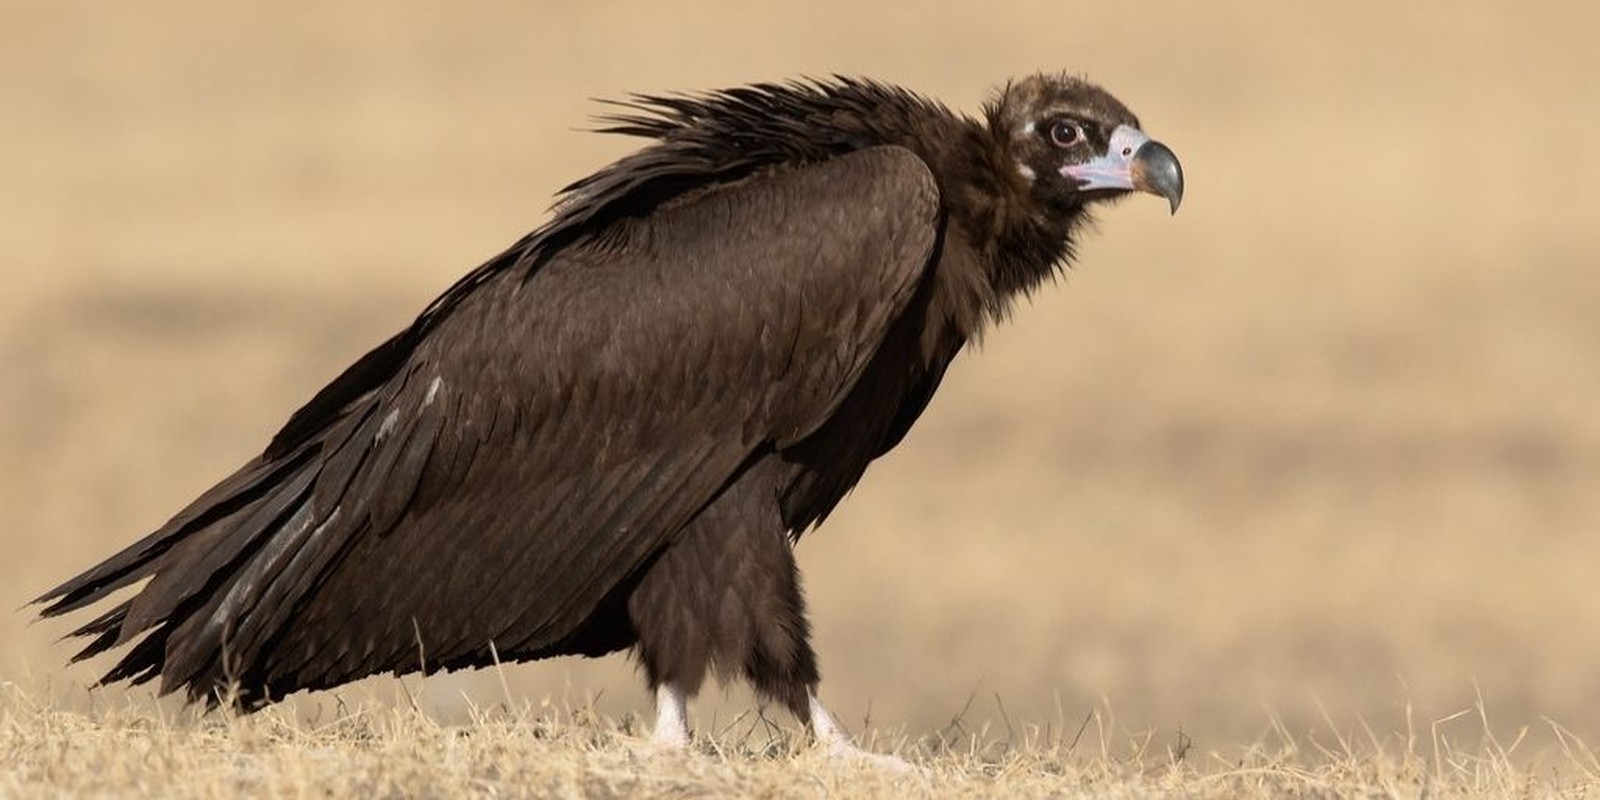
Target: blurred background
point(1324, 443)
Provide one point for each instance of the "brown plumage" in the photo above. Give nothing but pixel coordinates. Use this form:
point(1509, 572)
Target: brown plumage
point(609, 435)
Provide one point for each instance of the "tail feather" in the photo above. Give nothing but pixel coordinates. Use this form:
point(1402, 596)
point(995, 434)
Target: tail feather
point(106, 628)
point(141, 559)
point(111, 620)
point(209, 556)
point(142, 663)
point(228, 572)
point(217, 636)
point(195, 561)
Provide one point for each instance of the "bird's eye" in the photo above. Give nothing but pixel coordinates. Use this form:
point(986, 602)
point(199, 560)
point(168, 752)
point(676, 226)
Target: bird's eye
point(1064, 133)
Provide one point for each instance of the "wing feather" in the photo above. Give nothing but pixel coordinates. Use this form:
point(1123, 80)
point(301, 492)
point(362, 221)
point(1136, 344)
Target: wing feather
point(541, 442)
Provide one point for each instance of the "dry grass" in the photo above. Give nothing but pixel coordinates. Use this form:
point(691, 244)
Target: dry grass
point(1324, 443)
point(554, 751)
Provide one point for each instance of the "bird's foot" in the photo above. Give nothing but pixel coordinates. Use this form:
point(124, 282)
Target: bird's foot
point(835, 742)
point(845, 752)
point(671, 736)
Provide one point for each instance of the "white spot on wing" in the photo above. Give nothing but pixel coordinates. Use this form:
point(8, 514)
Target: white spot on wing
point(388, 425)
point(279, 542)
point(433, 391)
point(332, 517)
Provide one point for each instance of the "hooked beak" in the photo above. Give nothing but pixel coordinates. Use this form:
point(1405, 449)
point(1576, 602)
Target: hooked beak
point(1133, 161)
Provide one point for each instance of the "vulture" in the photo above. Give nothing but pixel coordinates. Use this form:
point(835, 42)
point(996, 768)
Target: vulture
point(611, 435)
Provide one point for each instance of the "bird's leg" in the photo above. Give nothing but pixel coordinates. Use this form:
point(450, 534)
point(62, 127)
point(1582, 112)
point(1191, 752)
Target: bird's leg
point(672, 719)
point(835, 740)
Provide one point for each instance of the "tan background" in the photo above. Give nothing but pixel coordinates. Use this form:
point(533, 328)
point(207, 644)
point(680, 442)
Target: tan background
point(1325, 439)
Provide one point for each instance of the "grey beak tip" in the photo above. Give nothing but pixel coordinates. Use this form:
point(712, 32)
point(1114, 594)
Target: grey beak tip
point(1160, 173)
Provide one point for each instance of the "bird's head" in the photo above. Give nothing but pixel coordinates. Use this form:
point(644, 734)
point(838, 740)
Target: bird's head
point(1073, 143)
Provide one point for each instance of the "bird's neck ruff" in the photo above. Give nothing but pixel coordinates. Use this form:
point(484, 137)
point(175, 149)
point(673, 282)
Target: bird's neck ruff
point(720, 137)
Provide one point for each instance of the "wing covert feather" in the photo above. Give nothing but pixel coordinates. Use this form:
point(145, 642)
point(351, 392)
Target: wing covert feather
point(551, 434)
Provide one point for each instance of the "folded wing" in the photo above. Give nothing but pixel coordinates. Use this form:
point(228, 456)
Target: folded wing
point(519, 460)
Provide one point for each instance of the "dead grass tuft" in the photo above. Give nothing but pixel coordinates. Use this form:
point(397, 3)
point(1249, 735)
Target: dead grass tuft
point(134, 750)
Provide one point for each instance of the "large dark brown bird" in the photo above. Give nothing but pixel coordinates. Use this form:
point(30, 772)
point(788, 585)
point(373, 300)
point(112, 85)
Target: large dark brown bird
point(610, 435)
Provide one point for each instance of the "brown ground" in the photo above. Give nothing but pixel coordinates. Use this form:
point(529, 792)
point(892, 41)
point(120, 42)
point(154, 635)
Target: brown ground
point(1320, 447)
